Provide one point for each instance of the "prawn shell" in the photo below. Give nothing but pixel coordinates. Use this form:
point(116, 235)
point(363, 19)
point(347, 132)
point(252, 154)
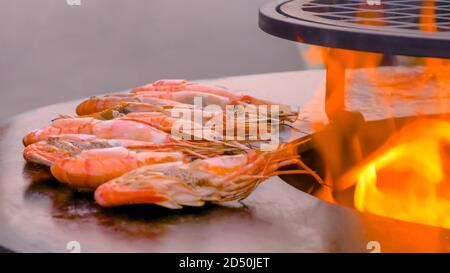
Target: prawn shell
point(90, 173)
point(111, 194)
point(94, 167)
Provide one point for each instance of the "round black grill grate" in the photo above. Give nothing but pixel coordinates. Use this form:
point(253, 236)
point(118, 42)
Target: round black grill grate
point(399, 15)
point(402, 27)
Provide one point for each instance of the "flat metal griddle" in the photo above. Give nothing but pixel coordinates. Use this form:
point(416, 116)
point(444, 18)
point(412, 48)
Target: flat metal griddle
point(394, 27)
point(38, 214)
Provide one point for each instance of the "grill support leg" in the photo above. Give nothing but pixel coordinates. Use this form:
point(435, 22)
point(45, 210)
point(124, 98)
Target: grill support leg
point(343, 128)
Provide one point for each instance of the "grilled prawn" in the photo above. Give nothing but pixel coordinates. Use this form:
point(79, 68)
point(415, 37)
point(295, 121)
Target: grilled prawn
point(225, 96)
point(223, 178)
point(171, 93)
point(163, 119)
point(53, 148)
point(108, 129)
point(164, 99)
point(91, 168)
point(97, 104)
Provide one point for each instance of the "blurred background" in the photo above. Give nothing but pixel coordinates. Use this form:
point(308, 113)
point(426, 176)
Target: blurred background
point(52, 52)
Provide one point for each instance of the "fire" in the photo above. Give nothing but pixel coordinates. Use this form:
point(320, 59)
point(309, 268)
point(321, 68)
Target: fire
point(407, 178)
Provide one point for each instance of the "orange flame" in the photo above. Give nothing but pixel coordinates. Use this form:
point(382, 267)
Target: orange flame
point(407, 178)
